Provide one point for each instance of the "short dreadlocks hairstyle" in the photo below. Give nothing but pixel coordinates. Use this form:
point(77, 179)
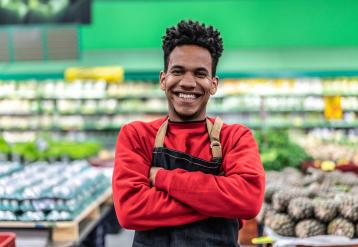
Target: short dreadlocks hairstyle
point(193, 33)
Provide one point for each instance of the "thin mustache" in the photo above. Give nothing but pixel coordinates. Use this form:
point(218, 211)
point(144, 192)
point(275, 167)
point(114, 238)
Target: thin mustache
point(177, 92)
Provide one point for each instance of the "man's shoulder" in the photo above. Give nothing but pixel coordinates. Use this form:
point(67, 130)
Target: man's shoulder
point(235, 131)
point(232, 127)
point(143, 126)
point(235, 127)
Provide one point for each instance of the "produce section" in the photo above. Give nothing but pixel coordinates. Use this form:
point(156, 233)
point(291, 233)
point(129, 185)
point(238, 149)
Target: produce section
point(47, 192)
point(47, 149)
point(311, 204)
point(311, 186)
point(57, 105)
point(336, 146)
point(278, 151)
point(288, 117)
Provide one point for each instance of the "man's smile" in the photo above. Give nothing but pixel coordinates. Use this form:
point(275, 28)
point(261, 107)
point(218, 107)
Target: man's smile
point(187, 97)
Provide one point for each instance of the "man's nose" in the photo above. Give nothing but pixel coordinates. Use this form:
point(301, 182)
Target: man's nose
point(188, 80)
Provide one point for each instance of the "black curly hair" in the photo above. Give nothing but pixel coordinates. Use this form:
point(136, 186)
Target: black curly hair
point(193, 33)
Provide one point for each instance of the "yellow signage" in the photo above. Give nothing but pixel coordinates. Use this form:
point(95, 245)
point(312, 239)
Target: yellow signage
point(114, 74)
point(333, 107)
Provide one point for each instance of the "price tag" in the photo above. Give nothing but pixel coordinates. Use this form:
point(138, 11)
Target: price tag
point(262, 240)
point(333, 107)
point(114, 74)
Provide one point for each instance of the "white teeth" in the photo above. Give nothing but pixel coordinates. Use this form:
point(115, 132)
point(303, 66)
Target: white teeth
point(186, 96)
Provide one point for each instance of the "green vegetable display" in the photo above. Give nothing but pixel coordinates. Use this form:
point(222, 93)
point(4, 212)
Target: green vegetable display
point(4, 147)
point(278, 151)
point(48, 149)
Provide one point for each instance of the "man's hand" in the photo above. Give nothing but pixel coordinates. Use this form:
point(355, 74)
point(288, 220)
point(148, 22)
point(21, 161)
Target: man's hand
point(153, 174)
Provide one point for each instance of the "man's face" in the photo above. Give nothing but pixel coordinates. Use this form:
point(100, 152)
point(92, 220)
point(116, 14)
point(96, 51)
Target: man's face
point(188, 82)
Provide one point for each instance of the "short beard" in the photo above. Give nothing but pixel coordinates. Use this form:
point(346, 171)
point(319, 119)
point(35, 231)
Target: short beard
point(187, 117)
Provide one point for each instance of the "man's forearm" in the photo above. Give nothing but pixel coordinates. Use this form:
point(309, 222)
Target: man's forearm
point(216, 196)
point(150, 209)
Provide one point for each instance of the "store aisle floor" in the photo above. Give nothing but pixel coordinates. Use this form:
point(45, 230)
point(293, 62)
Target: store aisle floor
point(122, 239)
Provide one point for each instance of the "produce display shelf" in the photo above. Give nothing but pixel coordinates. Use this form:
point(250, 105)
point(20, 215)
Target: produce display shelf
point(308, 125)
point(162, 96)
point(81, 113)
point(66, 230)
point(255, 125)
point(137, 97)
point(352, 94)
point(305, 125)
point(162, 112)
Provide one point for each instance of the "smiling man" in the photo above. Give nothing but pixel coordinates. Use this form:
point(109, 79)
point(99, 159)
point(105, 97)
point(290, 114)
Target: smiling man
point(188, 82)
point(187, 179)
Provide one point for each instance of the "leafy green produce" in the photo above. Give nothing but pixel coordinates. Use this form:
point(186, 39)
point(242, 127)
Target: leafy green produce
point(72, 150)
point(277, 151)
point(4, 147)
point(27, 150)
point(46, 149)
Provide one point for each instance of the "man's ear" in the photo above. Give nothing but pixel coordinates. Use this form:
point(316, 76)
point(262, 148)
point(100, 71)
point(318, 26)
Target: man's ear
point(162, 80)
point(214, 85)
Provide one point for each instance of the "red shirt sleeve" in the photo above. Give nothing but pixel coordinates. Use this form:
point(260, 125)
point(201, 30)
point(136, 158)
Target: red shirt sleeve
point(238, 194)
point(139, 206)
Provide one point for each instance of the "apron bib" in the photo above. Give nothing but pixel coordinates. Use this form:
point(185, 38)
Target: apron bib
point(212, 232)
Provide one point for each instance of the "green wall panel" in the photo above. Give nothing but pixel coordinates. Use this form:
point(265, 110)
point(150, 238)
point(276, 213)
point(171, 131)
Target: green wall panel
point(244, 23)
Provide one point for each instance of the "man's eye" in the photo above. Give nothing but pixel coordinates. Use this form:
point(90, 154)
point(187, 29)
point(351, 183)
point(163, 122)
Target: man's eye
point(176, 72)
point(201, 75)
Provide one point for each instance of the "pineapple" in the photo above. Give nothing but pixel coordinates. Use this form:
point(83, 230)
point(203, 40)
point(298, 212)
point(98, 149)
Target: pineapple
point(314, 175)
point(334, 177)
point(281, 199)
point(282, 224)
point(313, 189)
point(270, 190)
point(348, 206)
point(341, 227)
point(292, 176)
point(324, 210)
point(268, 217)
point(300, 208)
point(309, 227)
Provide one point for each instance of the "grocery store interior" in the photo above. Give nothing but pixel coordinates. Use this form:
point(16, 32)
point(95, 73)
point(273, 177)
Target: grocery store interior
point(73, 72)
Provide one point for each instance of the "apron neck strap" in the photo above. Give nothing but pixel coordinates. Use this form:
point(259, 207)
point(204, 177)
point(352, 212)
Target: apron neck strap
point(214, 134)
point(159, 139)
point(213, 130)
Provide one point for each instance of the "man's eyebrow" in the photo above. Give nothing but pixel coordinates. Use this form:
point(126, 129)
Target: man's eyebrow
point(202, 69)
point(176, 67)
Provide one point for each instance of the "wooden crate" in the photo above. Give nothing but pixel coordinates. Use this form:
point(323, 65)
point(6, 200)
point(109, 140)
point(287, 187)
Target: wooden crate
point(66, 230)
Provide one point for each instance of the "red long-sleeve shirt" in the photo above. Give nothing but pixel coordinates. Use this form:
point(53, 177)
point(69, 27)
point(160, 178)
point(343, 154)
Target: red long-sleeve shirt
point(178, 196)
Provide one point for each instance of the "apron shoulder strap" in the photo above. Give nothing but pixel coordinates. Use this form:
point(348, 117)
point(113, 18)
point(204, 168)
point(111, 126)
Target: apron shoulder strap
point(159, 139)
point(214, 134)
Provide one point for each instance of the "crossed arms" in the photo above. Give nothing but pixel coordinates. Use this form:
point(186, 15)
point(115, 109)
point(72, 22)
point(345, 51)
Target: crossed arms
point(179, 197)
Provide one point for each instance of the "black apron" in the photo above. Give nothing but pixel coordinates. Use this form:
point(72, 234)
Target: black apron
point(212, 232)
